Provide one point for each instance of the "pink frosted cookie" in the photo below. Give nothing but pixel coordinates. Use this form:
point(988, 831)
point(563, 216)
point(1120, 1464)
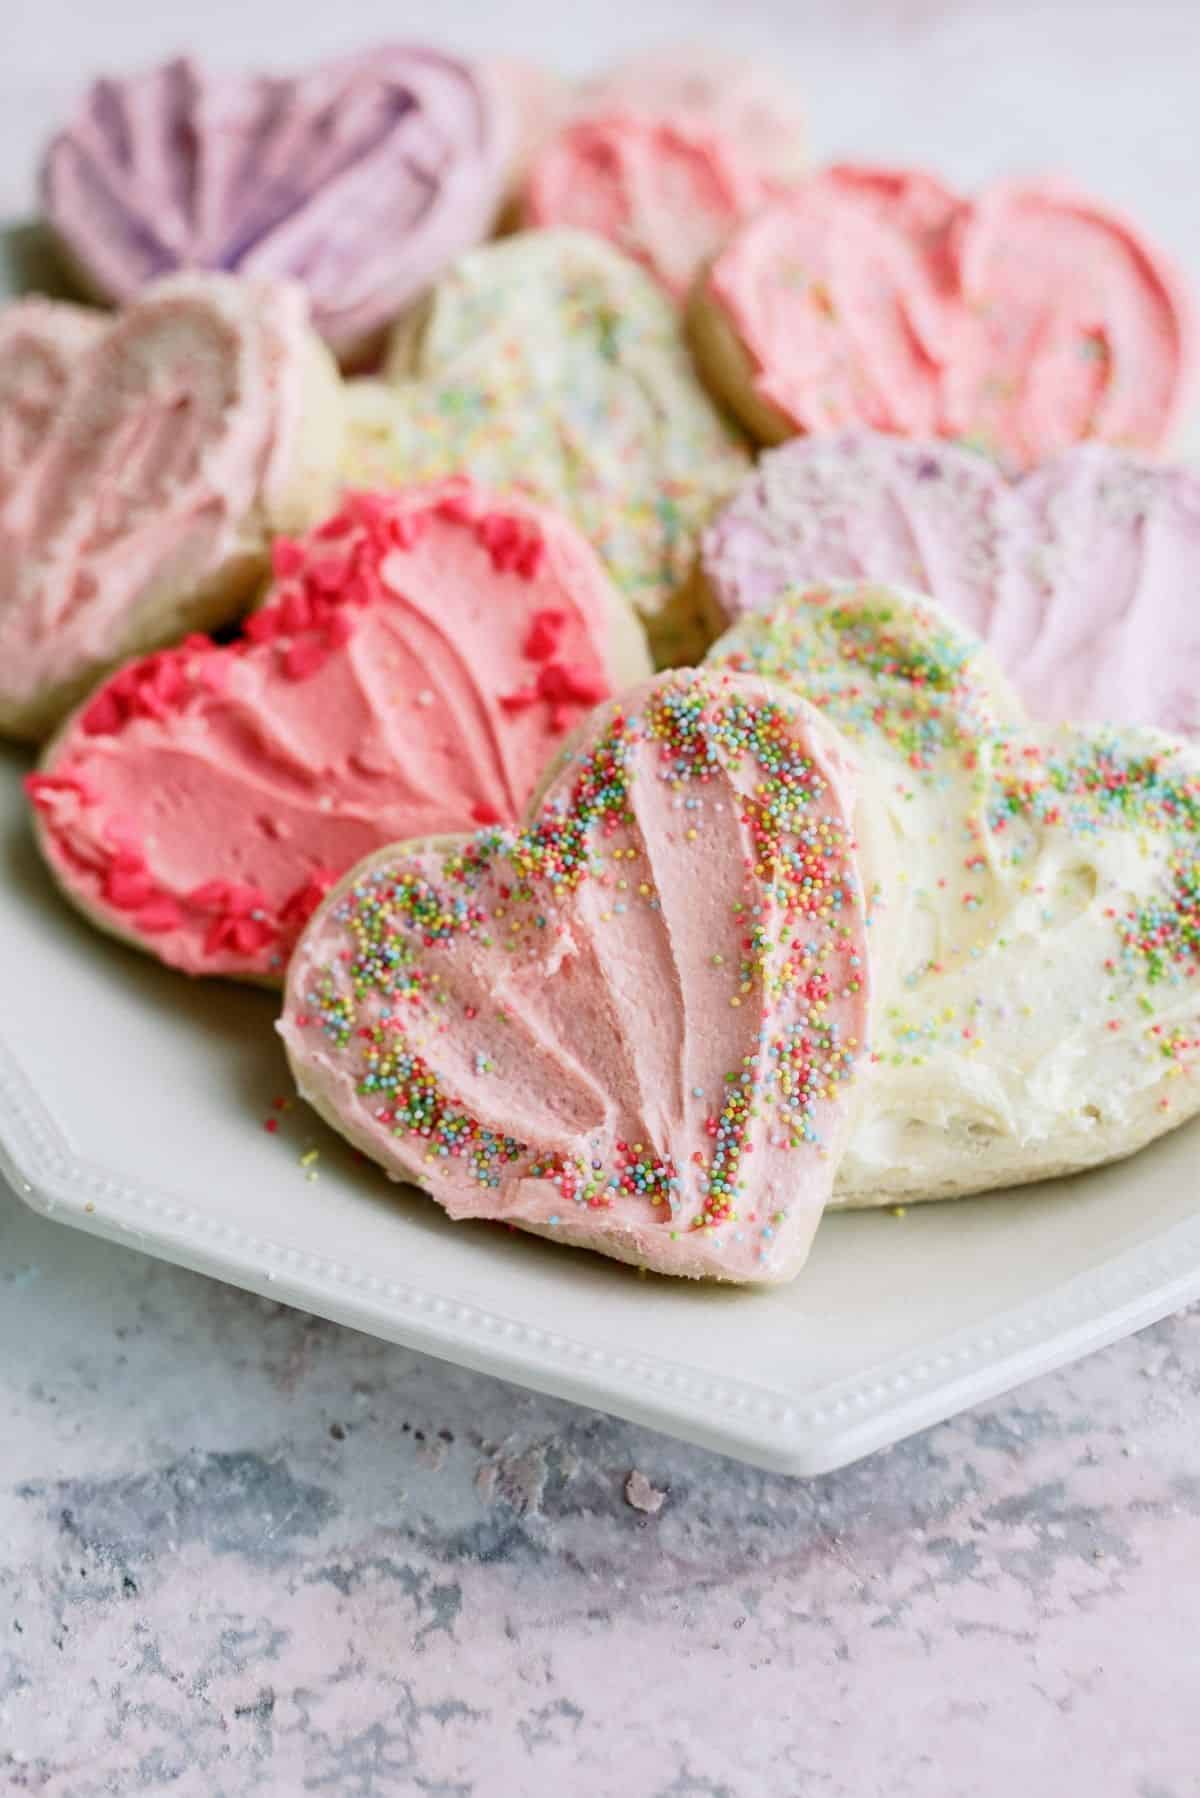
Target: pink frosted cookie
point(41, 343)
point(537, 102)
point(1081, 576)
point(421, 656)
point(666, 192)
point(144, 461)
point(708, 90)
point(1023, 321)
point(362, 178)
point(633, 1023)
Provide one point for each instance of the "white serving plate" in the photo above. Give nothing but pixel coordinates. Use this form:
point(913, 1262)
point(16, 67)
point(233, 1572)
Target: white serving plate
point(132, 1104)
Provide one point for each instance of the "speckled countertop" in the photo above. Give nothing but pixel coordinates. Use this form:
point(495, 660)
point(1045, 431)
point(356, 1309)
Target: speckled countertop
point(243, 1551)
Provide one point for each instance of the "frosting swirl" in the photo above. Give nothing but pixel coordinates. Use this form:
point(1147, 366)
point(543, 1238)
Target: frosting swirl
point(1080, 575)
point(1045, 1009)
point(146, 498)
point(632, 1023)
point(1023, 321)
point(361, 178)
point(665, 193)
point(420, 657)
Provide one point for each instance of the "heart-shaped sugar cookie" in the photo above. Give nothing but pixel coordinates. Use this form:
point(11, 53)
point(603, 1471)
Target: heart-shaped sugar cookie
point(1023, 321)
point(1045, 1010)
point(708, 90)
point(168, 444)
point(421, 657)
point(631, 1024)
point(666, 194)
point(551, 363)
point(41, 342)
point(362, 179)
point(1081, 576)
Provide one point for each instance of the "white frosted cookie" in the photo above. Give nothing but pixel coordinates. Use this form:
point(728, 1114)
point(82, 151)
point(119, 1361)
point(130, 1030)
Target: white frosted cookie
point(551, 363)
point(1045, 1014)
point(147, 459)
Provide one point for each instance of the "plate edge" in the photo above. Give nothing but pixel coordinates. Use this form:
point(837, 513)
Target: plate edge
point(844, 1421)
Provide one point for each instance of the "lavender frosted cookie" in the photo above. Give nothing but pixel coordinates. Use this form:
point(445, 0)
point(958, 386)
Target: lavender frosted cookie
point(1080, 576)
point(363, 178)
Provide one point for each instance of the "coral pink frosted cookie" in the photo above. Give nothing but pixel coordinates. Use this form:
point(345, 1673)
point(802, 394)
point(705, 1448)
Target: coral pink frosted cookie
point(667, 193)
point(145, 461)
point(1081, 576)
point(1023, 321)
point(421, 657)
point(705, 90)
point(362, 178)
point(631, 1024)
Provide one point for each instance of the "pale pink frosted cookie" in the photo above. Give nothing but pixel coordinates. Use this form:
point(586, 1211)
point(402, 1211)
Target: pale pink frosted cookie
point(363, 178)
point(1081, 576)
point(666, 192)
point(144, 461)
point(41, 342)
point(1024, 320)
point(632, 1024)
point(537, 101)
point(422, 656)
point(706, 89)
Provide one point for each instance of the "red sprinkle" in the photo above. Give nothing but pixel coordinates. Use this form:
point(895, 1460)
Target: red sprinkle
point(287, 558)
point(569, 683)
point(300, 660)
point(518, 701)
point(545, 631)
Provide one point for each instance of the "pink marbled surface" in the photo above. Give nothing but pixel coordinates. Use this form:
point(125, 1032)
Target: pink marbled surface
point(246, 1552)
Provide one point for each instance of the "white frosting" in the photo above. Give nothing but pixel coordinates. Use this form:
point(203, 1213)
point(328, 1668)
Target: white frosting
point(550, 362)
point(1033, 1023)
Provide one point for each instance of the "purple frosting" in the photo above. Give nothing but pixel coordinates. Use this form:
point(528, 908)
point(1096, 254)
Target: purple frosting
point(1083, 576)
point(362, 179)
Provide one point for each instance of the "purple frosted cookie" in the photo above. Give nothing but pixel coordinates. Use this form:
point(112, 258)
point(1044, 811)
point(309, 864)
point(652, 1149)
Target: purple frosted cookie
point(1083, 576)
point(362, 178)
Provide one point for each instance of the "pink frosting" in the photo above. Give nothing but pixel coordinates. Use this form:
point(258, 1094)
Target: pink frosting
point(537, 102)
point(41, 343)
point(170, 428)
point(362, 178)
point(1025, 320)
point(638, 1017)
point(1081, 575)
point(666, 193)
point(705, 89)
point(420, 657)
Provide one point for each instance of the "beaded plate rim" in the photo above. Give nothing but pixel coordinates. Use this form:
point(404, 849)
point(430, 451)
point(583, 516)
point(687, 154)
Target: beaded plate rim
point(837, 1424)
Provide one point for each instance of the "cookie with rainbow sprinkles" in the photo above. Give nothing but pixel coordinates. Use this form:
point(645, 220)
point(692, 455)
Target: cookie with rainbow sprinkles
point(635, 1023)
point(551, 363)
point(1043, 1011)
